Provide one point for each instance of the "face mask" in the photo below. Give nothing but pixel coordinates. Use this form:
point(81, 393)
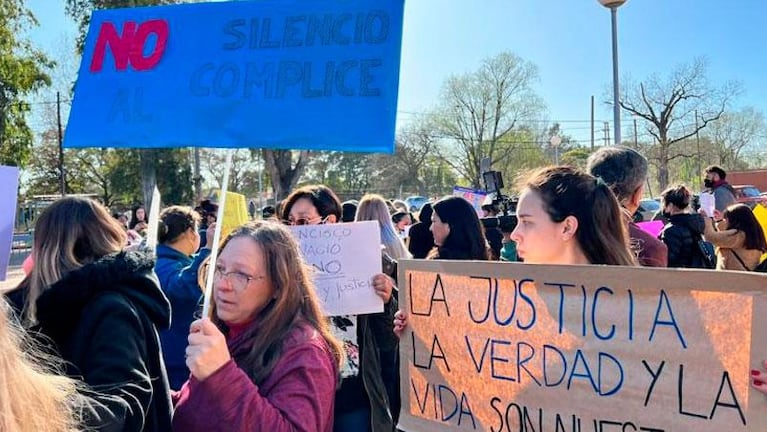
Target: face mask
point(708, 183)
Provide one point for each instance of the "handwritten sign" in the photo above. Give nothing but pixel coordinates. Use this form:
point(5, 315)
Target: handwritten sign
point(707, 203)
point(475, 197)
point(345, 257)
point(521, 347)
point(9, 181)
point(292, 74)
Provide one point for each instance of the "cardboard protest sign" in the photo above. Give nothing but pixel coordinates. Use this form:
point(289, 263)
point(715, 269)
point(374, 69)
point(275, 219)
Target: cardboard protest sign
point(344, 257)
point(651, 227)
point(235, 213)
point(9, 182)
point(474, 196)
point(521, 347)
point(292, 74)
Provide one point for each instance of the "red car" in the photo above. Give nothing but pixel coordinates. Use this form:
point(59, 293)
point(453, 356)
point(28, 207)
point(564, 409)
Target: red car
point(749, 195)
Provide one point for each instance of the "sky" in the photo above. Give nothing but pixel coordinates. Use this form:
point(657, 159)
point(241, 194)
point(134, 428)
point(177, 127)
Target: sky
point(568, 40)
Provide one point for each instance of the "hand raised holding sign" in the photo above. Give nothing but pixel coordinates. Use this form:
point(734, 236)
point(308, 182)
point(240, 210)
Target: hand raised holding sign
point(383, 286)
point(207, 351)
point(400, 322)
point(759, 379)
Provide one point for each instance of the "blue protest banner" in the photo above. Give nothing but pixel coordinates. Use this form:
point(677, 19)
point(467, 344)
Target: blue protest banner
point(9, 187)
point(290, 74)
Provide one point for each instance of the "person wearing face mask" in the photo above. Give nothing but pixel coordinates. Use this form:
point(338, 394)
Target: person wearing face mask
point(683, 231)
point(177, 265)
point(715, 183)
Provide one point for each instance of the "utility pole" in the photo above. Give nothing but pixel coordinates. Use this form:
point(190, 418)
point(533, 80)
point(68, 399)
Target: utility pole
point(697, 140)
point(262, 165)
point(592, 124)
point(197, 177)
point(607, 134)
point(62, 179)
point(636, 136)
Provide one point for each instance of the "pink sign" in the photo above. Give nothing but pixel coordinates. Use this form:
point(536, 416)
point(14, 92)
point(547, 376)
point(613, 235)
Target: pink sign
point(652, 227)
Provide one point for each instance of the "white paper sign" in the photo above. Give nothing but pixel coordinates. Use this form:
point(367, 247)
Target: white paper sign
point(707, 203)
point(344, 257)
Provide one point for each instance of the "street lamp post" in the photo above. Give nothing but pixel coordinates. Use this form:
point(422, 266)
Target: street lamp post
point(555, 141)
point(613, 5)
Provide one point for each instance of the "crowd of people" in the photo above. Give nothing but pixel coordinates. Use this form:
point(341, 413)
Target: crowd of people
point(99, 307)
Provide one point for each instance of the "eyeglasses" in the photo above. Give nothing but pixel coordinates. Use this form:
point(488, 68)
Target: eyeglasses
point(238, 281)
point(319, 220)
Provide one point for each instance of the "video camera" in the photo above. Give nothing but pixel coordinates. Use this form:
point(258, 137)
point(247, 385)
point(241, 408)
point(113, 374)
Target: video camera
point(507, 206)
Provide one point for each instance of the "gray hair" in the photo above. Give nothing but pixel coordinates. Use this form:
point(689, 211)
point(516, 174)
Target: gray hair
point(623, 169)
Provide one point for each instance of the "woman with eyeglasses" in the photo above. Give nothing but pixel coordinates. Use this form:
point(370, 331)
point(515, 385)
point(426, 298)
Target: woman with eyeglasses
point(265, 360)
point(177, 266)
point(361, 400)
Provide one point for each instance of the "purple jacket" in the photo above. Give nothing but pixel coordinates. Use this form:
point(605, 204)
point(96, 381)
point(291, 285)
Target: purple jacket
point(297, 396)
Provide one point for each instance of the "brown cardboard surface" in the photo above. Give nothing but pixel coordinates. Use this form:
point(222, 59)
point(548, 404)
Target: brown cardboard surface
point(580, 348)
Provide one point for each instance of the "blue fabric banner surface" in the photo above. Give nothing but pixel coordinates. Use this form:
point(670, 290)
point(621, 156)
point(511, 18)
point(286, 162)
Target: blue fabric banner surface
point(291, 74)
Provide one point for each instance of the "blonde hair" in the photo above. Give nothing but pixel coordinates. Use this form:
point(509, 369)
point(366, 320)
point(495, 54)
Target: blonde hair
point(32, 399)
point(373, 207)
point(69, 234)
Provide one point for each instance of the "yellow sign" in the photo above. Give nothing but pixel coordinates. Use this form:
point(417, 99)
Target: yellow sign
point(235, 212)
point(520, 347)
point(761, 215)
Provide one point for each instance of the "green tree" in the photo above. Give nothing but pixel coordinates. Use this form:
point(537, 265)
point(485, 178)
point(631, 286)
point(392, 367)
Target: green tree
point(285, 168)
point(479, 109)
point(244, 173)
point(23, 70)
point(413, 146)
point(735, 133)
point(675, 110)
point(174, 180)
point(42, 170)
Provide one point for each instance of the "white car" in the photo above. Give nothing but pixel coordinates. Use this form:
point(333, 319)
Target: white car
point(414, 203)
point(647, 209)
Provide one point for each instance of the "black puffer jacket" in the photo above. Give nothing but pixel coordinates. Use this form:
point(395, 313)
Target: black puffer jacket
point(681, 235)
point(103, 320)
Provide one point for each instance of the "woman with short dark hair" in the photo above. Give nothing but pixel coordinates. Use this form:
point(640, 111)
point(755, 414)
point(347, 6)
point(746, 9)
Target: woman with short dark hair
point(177, 265)
point(683, 231)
